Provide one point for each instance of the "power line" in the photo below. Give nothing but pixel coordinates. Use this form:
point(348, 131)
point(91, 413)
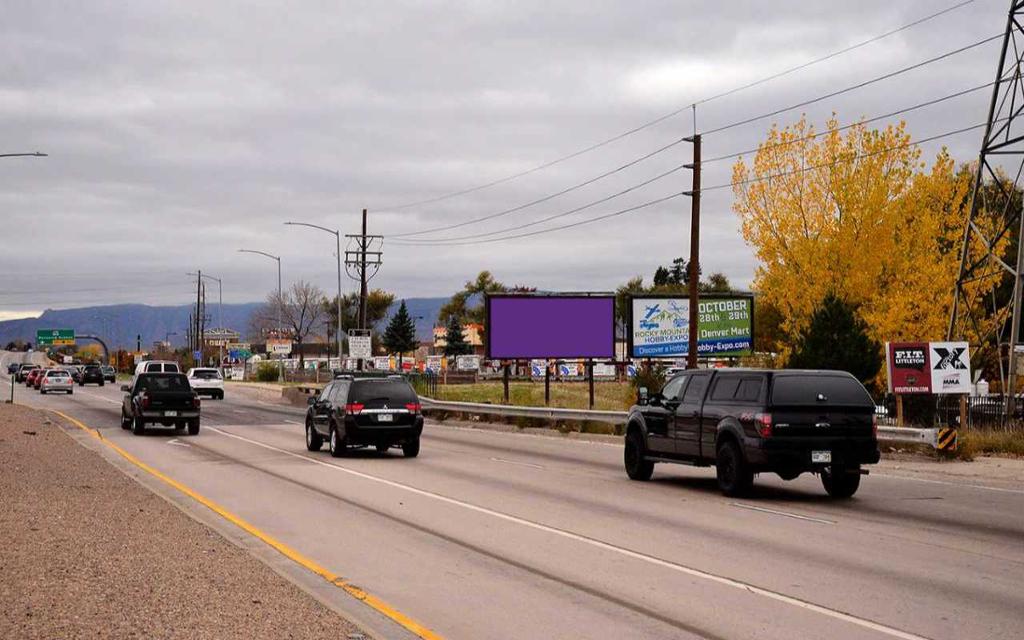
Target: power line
point(545, 198)
point(859, 85)
point(444, 241)
point(713, 188)
point(672, 114)
point(891, 114)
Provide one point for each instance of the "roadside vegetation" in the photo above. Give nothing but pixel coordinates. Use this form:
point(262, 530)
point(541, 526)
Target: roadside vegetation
point(608, 396)
point(975, 442)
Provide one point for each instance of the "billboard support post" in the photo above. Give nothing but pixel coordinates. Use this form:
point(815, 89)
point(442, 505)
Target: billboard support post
point(590, 381)
point(504, 380)
point(547, 383)
point(899, 410)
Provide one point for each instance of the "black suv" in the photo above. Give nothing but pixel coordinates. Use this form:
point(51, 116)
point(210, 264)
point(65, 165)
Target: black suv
point(379, 412)
point(754, 421)
point(91, 374)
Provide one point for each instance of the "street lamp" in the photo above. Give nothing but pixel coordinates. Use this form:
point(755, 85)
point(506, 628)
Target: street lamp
point(337, 236)
point(280, 300)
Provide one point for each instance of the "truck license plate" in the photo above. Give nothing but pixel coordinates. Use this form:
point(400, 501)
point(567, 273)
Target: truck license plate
point(821, 456)
point(170, 414)
point(385, 417)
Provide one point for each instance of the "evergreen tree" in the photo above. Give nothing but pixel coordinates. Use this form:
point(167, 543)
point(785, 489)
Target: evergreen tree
point(837, 338)
point(400, 335)
point(661, 277)
point(454, 341)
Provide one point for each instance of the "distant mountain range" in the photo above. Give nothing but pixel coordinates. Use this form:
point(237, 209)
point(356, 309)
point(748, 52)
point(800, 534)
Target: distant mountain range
point(119, 324)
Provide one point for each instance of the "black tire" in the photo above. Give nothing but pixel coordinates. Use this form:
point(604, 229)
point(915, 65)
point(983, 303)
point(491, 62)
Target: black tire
point(138, 426)
point(101, 384)
point(842, 482)
point(336, 445)
point(314, 441)
point(71, 392)
point(126, 423)
point(220, 396)
point(193, 427)
point(382, 448)
point(734, 475)
point(411, 448)
point(637, 468)
point(42, 392)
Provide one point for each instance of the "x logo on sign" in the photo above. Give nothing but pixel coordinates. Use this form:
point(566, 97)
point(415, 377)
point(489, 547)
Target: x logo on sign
point(949, 358)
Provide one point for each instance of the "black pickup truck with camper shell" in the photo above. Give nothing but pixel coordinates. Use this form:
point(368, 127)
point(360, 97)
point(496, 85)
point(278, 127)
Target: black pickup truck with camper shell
point(747, 421)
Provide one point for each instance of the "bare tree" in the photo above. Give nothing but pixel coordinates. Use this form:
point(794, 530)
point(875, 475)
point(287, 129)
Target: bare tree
point(302, 308)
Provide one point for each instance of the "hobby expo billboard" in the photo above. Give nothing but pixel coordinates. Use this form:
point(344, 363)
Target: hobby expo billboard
point(928, 367)
point(660, 326)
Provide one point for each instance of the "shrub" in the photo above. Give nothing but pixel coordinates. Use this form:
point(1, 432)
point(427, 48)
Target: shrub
point(267, 372)
point(652, 377)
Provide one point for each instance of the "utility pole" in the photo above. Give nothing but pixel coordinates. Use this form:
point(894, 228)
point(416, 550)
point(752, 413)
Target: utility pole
point(694, 266)
point(987, 308)
point(362, 260)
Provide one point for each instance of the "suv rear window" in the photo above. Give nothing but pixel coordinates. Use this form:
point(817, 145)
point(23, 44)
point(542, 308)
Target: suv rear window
point(816, 389)
point(392, 391)
point(206, 374)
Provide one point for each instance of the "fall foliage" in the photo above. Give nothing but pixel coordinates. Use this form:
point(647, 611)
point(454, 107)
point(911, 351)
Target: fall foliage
point(855, 213)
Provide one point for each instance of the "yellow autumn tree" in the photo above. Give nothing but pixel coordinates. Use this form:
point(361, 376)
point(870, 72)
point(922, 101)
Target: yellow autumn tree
point(857, 213)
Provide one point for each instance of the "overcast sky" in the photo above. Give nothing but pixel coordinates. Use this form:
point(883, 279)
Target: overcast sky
point(179, 132)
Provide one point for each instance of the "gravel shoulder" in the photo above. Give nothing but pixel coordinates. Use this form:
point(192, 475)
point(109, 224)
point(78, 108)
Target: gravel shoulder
point(88, 552)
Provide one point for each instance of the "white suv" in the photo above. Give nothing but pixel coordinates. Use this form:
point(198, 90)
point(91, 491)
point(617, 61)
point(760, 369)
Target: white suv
point(208, 381)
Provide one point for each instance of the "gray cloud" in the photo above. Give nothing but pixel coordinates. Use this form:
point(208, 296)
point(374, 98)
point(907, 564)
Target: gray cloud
point(181, 131)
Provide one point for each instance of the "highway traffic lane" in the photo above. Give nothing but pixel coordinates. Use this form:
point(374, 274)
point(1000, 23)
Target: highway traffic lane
point(293, 436)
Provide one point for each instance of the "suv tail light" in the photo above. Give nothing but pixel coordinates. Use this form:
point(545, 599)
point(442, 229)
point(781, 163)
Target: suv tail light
point(354, 407)
point(764, 424)
point(413, 407)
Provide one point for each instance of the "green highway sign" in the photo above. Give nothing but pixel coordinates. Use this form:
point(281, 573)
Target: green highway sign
point(55, 337)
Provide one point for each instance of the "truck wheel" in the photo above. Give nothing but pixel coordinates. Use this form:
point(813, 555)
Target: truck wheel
point(636, 467)
point(841, 482)
point(313, 439)
point(734, 476)
point(126, 423)
point(138, 426)
point(411, 448)
point(101, 384)
point(336, 445)
point(193, 427)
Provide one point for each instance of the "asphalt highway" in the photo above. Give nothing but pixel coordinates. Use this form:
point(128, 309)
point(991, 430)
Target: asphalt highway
point(503, 535)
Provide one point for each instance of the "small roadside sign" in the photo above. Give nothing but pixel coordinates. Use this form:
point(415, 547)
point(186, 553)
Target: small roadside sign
point(360, 347)
point(55, 337)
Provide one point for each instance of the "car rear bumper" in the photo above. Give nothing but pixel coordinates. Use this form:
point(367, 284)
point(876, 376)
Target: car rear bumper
point(783, 453)
point(159, 416)
point(370, 435)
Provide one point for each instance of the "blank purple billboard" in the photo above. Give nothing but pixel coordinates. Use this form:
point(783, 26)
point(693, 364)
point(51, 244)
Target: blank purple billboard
point(550, 327)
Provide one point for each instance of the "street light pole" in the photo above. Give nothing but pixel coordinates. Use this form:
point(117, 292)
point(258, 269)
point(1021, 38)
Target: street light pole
point(34, 154)
point(337, 236)
point(280, 301)
point(220, 314)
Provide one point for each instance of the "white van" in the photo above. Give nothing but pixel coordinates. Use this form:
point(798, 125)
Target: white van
point(157, 366)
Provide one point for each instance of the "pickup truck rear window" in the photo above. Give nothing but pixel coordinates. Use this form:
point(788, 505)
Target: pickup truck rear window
point(164, 383)
point(819, 389)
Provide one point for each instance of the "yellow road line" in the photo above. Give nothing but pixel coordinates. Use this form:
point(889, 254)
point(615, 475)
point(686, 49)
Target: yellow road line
point(293, 555)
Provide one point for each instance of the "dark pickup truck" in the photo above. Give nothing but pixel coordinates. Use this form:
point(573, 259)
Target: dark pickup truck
point(746, 421)
point(164, 398)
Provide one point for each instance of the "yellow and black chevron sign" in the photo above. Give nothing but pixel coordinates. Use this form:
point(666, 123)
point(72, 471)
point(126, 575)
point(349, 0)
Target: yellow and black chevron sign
point(946, 440)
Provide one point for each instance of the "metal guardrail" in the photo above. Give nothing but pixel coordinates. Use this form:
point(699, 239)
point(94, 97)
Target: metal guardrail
point(885, 434)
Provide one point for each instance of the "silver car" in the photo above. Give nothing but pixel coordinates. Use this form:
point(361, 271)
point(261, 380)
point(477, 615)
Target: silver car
point(56, 380)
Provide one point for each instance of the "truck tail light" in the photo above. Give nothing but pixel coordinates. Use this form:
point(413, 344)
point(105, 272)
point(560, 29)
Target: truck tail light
point(195, 401)
point(354, 408)
point(413, 407)
point(145, 401)
point(874, 425)
point(764, 424)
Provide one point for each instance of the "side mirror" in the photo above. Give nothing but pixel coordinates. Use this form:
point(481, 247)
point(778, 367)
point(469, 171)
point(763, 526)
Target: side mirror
point(311, 400)
point(642, 395)
point(124, 388)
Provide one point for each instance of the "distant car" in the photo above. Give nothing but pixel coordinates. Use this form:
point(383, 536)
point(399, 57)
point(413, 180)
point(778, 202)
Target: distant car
point(37, 379)
point(109, 373)
point(56, 380)
point(378, 412)
point(207, 381)
point(13, 368)
point(23, 371)
point(30, 379)
point(75, 371)
point(157, 366)
point(164, 398)
point(91, 374)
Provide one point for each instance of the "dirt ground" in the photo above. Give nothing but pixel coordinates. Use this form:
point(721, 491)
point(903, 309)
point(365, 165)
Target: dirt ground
point(88, 552)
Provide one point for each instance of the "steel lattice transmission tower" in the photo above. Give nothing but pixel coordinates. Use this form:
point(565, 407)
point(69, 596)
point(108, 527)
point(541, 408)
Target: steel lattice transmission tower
point(987, 299)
